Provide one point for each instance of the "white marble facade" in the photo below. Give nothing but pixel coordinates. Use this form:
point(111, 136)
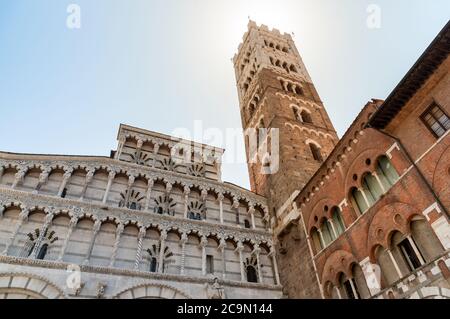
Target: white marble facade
point(137, 224)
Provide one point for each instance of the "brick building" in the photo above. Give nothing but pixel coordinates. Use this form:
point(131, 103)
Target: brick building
point(366, 216)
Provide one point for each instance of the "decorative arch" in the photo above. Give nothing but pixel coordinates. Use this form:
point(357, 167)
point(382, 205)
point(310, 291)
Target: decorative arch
point(29, 286)
point(151, 291)
point(388, 219)
point(338, 262)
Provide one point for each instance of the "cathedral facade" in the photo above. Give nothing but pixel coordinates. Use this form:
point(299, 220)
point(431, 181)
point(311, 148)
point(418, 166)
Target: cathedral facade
point(153, 220)
point(364, 216)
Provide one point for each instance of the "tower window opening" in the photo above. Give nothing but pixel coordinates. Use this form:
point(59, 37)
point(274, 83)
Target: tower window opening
point(315, 150)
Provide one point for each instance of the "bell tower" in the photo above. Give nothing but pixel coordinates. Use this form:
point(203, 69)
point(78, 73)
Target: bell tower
point(276, 91)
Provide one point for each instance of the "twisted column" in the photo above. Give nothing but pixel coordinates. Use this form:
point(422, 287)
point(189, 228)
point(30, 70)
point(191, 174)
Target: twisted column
point(131, 180)
point(137, 261)
point(22, 217)
point(95, 231)
point(72, 224)
point(184, 239)
point(186, 193)
point(119, 232)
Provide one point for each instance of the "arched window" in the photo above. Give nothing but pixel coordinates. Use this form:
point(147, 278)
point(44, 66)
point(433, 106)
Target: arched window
point(42, 252)
point(251, 274)
point(306, 117)
point(327, 232)
point(292, 68)
point(246, 223)
point(316, 240)
point(315, 151)
point(298, 90)
point(386, 172)
point(358, 201)
point(153, 264)
point(371, 188)
point(348, 287)
point(338, 223)
point(160, 210)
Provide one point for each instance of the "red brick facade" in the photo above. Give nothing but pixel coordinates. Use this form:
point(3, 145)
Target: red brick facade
point(380, 200)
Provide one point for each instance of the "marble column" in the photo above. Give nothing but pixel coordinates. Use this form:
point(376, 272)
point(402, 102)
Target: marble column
point(155, 154)
point(186, 193)
point(111, 177)
point(333, 229)
point(416, 250)
point(251, 212)
point(42, 233)
point(240, 248)
point(72, 224)
point(131, 180)
point(94, 234)
point(355, 292)
point(203, 244)
point(275, 266)
point(220, 198)
point(204, 195)
point(66, 177)
point(137, 261)
point(139, 144)
point(119, 232)
point(148, 197)
point(89, 177)
point(222, 247)
point(365, 199)
point(394, 262)
point(257, 252)
point(383, 189)
point(236, 209)
point(162, 247)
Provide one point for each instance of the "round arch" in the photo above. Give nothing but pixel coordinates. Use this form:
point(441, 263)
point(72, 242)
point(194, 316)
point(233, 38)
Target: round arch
point(151, 291)
point(26, 286)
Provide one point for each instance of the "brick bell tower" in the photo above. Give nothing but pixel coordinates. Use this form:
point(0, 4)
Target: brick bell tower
point(276, 91)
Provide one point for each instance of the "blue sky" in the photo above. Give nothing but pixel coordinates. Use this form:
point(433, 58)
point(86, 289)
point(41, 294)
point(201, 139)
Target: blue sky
point(162, 65)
